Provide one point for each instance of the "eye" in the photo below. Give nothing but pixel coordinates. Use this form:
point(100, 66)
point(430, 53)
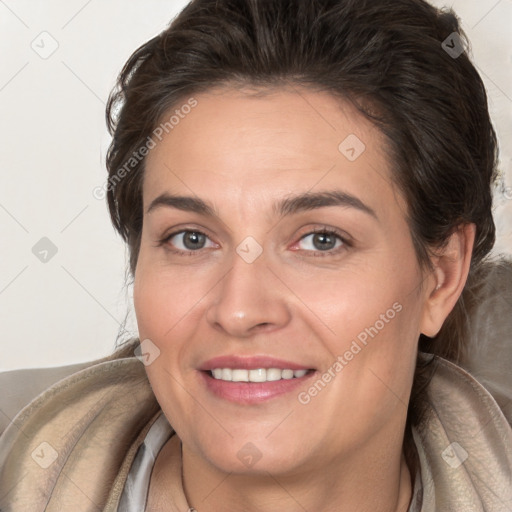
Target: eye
point(322, 241)
point(186, 241)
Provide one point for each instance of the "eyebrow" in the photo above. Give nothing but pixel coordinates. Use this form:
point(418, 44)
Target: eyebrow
point(288, 206)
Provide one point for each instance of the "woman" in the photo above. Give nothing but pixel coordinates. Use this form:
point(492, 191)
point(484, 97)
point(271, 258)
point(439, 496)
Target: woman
point(305, 191)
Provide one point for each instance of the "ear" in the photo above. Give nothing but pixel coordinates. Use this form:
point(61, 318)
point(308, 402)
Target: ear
point(445, 284)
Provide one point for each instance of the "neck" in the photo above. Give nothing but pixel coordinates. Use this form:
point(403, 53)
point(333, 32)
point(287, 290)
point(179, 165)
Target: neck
point(363, 484)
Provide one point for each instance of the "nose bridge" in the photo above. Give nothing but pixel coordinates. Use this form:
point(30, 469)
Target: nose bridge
point(247, 298)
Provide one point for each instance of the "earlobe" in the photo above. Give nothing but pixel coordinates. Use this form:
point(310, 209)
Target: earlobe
point(447, 280)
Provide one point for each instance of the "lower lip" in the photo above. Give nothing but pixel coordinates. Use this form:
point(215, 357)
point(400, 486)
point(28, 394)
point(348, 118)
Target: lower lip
point(252, 392)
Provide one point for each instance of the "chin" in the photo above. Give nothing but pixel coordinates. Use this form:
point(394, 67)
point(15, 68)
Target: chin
point(252, 455)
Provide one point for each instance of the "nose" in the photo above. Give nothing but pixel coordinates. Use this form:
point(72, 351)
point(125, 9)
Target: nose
point(248, 300)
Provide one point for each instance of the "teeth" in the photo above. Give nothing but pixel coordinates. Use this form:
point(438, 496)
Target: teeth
point(217, 373)
point(240, 375)
point(274, 374)
point(256, 375)
point(259, 375)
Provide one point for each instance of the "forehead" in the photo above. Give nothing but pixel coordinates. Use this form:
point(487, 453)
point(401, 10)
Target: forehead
point(234, 145)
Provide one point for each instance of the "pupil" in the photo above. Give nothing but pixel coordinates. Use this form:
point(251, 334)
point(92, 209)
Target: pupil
point(324, 241)
point(193, 240)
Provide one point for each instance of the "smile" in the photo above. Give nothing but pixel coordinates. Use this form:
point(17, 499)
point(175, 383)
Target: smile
point(256, 375)
point(256, 385)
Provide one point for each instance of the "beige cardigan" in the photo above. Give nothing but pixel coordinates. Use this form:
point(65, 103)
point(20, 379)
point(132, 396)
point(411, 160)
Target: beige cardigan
point(71, 448)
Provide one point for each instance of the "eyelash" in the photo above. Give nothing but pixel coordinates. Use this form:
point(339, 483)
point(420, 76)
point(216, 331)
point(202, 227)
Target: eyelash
point(330, 232)
point(324, 231)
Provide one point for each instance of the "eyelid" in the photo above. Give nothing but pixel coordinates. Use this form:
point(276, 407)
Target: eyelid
point(181, 228)
point(185, 231)
point(344, 237)
point(164, 241)
point(327, 229)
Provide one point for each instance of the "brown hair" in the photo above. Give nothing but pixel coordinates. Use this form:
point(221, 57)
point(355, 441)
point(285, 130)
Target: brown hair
point(392, 60)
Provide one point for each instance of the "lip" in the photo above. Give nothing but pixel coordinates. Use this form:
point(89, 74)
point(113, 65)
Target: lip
point(247, 393)
point(251, 363)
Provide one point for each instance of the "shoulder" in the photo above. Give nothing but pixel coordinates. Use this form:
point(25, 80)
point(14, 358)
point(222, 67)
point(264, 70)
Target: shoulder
point(488, 353)
point(457, 396)
point(21, 387)
point(88, 424)
point(464, 443)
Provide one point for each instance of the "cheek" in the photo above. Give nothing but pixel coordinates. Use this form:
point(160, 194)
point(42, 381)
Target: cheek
point(164, 298)
point(370, 376)
point(370, 320)
point(164, 314)
point(148, 303)
point(344, 303)
point(168, 307)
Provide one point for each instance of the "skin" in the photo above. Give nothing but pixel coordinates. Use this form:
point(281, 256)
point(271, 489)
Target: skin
point(296, 301)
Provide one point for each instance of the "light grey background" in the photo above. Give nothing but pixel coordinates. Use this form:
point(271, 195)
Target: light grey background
point(53, 145)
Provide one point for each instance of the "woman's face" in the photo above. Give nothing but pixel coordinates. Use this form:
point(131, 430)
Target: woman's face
point(286, 247)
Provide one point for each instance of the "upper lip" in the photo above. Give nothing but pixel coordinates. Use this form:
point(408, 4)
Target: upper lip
point(250, 363)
